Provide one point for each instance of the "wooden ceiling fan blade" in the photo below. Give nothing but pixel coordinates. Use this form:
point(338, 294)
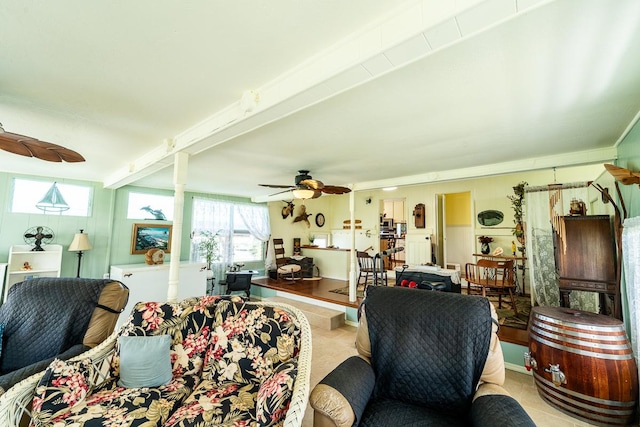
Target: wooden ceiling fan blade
point(281, 192)
point(625, 176)
point(41, 152)
point(69, 156)
point(276, 186)
point(32, 147)
point(312, 184)
point(14, 147)
point(335, 189)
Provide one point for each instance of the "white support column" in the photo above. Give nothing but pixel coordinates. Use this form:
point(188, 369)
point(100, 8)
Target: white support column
point(352, 257)
point(180, 168)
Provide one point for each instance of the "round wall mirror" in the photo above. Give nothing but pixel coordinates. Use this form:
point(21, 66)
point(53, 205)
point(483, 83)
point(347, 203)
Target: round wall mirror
point(490, 218)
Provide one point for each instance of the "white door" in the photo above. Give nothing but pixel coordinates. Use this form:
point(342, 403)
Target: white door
point(418, 248)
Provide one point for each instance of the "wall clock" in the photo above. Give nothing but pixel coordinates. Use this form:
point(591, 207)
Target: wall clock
point(319, 220)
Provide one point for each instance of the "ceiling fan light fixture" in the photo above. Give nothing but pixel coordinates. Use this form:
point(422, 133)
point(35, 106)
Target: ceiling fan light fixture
point(302, 193)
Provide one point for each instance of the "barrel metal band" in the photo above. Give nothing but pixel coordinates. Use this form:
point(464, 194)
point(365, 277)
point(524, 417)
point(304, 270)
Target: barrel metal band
point(579, 326)
point(621, 337)
point(580, 352)
point(622, 346)
point(627, 408)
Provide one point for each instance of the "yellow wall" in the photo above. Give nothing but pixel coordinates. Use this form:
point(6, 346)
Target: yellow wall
point(457, 208)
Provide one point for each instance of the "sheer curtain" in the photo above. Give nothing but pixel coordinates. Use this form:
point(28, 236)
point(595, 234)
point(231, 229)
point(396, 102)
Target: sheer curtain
point(631, 269)
point(217, 216)
point(542, 204)
point(256, 219)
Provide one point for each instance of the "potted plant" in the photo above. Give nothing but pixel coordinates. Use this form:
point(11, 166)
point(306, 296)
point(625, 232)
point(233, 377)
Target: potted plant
point(517, 203)
point(484, 244)
point(209, 246)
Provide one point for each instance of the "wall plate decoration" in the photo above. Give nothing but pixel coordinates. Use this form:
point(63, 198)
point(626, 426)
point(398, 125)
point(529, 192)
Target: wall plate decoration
point(418, 215)
point(491, 217)
point(319, 220)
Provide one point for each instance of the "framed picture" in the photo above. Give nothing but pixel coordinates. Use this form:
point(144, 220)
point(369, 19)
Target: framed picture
point(149, 236)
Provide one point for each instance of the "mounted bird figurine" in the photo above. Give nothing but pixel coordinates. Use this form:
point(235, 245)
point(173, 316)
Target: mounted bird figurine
point(287, 210)
point(303, 216)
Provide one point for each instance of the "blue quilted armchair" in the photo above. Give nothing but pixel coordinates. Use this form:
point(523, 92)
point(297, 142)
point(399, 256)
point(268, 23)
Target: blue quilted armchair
point(61, 317)
point(426, 359)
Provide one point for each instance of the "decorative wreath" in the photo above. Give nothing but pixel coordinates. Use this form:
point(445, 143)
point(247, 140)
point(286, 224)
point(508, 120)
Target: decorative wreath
point(154, 256)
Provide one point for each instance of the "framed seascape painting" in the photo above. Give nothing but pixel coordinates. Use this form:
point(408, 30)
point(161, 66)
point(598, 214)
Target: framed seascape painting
point(150, 236)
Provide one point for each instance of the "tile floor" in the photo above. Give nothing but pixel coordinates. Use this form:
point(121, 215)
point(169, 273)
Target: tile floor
point(332, 347)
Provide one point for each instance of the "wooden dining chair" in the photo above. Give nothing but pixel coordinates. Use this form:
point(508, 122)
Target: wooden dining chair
point(285, 270)
point(369, 271)
point(492, 278)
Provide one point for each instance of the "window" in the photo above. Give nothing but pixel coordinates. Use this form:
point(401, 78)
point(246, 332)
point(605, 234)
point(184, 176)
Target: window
point(70, 200)
point(150, 206)
point(242, 228)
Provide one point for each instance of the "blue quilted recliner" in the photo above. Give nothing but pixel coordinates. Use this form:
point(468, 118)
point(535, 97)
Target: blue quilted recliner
point(55, 317)
point(426, 359)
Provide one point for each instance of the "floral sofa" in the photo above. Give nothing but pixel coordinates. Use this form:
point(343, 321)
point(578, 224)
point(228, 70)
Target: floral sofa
point(230, 362)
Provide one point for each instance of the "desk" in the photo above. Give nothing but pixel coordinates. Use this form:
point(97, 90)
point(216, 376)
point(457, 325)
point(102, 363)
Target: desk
point(238, 281)
point(518, 264)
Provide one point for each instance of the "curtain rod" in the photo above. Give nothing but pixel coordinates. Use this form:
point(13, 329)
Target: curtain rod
point(562, 186)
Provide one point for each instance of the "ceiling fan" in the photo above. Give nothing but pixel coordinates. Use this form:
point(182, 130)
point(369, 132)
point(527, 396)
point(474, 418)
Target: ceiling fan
point(32, 147)
point(308, 188)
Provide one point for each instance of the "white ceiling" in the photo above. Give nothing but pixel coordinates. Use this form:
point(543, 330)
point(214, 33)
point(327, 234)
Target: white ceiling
point(357, 92)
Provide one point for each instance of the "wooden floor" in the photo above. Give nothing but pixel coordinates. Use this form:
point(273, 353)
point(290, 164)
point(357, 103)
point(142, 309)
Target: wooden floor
point(316, 289)
point(321, 290)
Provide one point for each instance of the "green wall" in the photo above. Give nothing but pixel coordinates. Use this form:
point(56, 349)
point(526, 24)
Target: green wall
point(629, 157)
point(108, 227)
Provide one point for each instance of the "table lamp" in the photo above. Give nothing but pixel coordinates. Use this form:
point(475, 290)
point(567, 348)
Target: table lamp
point(80, 243)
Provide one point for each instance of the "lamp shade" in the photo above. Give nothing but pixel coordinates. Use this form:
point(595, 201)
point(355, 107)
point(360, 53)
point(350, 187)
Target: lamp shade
point(80, 242)
point(303, 194)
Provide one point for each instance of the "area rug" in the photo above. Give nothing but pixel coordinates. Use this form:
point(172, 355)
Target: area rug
point(506, 315)
point(345, 291)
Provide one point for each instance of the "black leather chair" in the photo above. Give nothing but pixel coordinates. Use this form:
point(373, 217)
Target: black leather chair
point(426, 359)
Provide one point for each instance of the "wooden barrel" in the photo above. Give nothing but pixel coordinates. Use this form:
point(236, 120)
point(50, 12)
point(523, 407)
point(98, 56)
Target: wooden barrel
point(594, 354)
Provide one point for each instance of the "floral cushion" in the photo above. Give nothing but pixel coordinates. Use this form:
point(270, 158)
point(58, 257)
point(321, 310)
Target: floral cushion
point(62, 386)
point(228, 404)
point(275, 393)
point(249, 343)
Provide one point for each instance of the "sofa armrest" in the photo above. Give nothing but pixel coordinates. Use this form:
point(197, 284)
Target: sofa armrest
point(499, 410)
point(343, 394)
point(14, 403)
point(9, 379)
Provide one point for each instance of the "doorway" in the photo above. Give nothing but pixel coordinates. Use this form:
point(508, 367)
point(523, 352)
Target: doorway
point(454, 230)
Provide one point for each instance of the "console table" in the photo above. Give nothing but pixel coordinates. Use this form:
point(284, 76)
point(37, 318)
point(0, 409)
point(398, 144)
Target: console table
point(518, 264)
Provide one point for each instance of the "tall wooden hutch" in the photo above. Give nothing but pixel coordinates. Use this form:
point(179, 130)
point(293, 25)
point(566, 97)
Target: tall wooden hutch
point(585, 253)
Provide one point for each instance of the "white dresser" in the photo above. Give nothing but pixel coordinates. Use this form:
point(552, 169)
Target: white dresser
point(151, 282)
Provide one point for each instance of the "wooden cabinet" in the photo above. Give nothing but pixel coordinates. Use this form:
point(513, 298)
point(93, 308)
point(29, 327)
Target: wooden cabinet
point(151, 282)
point(585, 256)
point(394, 209)
point(45, 263)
